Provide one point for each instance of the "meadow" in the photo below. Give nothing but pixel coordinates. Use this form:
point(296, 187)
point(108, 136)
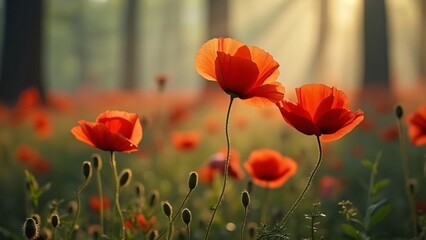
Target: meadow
point(359, 191)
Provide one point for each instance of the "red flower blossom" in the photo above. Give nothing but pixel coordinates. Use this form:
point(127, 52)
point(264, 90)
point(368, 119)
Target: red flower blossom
point(42, 124)
point(95, 203)
point(269, 169)
point(185, 140)
point(246, 72)
point(28, 100)
point(417, 126)
point(322, 111)
point(112, 131)
point(144, 224)
point(216, 164)
point(32, 159)
point(390, 133)
point(329, 186)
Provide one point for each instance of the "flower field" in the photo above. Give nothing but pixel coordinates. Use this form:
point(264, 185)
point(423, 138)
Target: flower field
point(241, 160)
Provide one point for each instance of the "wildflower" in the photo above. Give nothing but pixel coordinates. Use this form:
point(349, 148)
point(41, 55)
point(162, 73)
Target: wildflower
point(28, 100)
point(417, 126)
point(269, 169)
point(42, 124)
point(32, 159)
point(112, 131)
point(242, 71)
point(95, 203)
point(322, 111)
point(389, 133)
point(185, 140)
point(216, 164)
point(328, 186)
point(144, 224)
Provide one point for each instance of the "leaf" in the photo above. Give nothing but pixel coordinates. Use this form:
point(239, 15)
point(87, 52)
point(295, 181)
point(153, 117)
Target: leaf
point(379, 186)
point(380, 214)
point(372, 208)
point(351, 231)
point(368, 164)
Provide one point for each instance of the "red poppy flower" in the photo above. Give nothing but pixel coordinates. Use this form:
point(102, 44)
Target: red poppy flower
point(95, 203)
point(216, 164)
point(269, 169)
point(32, 159)
point(185, 140)
point(322, 111)
point(112, 131)
point(329, 186)
point(246, 72)
point(28, 100)
point(144, 224)
point(417, 126)
point(42, 124)
point(389, 133)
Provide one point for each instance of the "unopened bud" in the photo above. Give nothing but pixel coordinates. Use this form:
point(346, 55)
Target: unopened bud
point(412, 186)
point(252, 229)
point(399, 112)
point(186, 216)
point(72, 207)
point(153, 235)
point(87, 170)
point(36, 218)
point(54, 220)
point(125, 177)
point(30, 229)
point(245, 199)
point(193, 180)
point(167, 209)
point(140, 190)
point(249, 186)
point(97, 161)
point(153, 198)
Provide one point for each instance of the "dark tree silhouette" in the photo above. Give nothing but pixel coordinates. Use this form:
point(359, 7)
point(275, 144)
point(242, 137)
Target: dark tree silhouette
point(22, 55)
point(376, 67)
point(423, 41)
point(130, 45)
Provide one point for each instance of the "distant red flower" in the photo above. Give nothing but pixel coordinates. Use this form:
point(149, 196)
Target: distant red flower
point(113, 131)
point(417, 126)
point(389, 133)
point(322, 111)
point(28, 100)
point(32, 158)
point(366, 125)
point(95, 203)
point(216, 164)
point(161, 80)
point(144, 224)
point(329, 186)
point(245, 72)
point(178, 114)
point(212, 126)
point(185, 140)
point(269, 169)
point(42, 124)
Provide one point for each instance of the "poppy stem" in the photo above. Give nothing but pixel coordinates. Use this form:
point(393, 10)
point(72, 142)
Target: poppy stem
point(117, 195)
point(101, 203)
point(409, 192)
point(264, 205)
point(225, 173)
point(78, 193)
point(305, 190)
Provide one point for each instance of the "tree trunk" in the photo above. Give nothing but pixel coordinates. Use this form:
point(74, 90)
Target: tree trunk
point(22, 55)
point(423, 41)
point(376, 67)
point(130, 45)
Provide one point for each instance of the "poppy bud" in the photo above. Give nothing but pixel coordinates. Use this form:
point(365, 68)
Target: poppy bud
point(125, 177)
point(193, 180)
point(167, 209)
point(153, 235)
point(97, 161)
point(245, 199)
point(72, 207)
point(249, 186)
point(153, 198)
point(30, 229)
point(399, 112)
point(54, 220)
point(87, 170)
point(252, 229)
point(36, 218)
point(140, 190)
point(412, 186)
point(186, 216)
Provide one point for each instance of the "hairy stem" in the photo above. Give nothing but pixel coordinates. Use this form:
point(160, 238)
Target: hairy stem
point(117, 195)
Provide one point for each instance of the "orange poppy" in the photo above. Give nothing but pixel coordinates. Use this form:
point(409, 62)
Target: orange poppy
point(322, 111)
point(329, 186)
point(95, 203)
point(112, 131)
point(269, 169)
point(32, 159)
point(42, 124)
point(417, 126)
point(185, 140)
point(242, 71)
point(145, 224)
point(28, 100)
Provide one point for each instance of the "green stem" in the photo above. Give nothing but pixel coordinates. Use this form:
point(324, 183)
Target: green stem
point(170, 230)
point(264, 205)
point(101, 209)
point(244, 222)
point(117, 195)
point(83, 185)
point(225, 173)
point(311, 177)
point(410, 195)
point(188, 231)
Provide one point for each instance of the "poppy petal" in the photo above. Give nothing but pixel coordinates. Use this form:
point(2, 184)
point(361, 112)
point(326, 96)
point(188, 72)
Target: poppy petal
point(264, 95)
point(298, 118)
point(268, 67)
point(338, 122)
point(310, 96)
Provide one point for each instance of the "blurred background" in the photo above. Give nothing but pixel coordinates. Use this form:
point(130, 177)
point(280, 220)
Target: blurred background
point(64, 45)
